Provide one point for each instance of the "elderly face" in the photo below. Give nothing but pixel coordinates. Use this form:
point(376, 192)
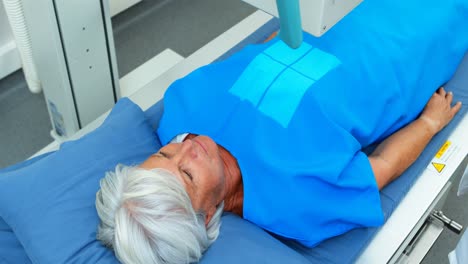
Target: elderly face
point(198, 165)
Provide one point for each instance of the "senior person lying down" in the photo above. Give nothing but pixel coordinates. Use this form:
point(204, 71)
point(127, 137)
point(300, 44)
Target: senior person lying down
point(168, 208)
point(276, 135)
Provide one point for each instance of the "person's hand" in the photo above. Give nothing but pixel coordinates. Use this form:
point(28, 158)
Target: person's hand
point(439, 111)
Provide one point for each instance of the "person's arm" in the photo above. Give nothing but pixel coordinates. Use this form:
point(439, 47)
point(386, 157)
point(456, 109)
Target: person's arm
point(396, 153)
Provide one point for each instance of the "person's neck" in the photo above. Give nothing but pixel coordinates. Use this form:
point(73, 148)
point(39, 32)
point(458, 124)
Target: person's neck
point(234, 198)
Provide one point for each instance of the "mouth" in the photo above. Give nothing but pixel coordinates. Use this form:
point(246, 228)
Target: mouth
point(201, 145)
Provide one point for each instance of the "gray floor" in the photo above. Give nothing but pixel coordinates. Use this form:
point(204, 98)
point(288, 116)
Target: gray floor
point(140, 33)
point(24, 121)
point(182, 25)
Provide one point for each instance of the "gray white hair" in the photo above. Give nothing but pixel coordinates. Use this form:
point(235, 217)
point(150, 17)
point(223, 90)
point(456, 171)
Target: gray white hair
point(147, 217)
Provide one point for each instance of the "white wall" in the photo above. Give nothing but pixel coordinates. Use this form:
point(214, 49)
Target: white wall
point(117, 6)
point(6, 34)
point(9, 57)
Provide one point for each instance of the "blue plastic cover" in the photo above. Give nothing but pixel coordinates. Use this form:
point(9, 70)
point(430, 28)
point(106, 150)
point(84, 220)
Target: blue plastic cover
point(268, 100)
point(292, 155)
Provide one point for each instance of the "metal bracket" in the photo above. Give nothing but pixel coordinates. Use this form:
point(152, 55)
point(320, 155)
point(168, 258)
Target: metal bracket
point(449, 223)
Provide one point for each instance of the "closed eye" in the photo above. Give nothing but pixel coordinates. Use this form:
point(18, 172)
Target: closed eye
point(185, 172)
point(188, 175)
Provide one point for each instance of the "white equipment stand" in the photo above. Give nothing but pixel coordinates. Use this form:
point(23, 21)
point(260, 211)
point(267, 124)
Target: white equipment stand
point(73, 47)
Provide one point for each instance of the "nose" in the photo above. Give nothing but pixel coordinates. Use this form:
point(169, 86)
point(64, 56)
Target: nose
point(188, 149)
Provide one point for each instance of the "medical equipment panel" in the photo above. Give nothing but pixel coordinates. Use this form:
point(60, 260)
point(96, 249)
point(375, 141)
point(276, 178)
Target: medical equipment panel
point(73, 47)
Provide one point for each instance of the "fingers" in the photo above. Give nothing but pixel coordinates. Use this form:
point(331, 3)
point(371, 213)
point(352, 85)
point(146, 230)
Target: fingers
point(441, 91)
point(456, 108)
point(449, 97)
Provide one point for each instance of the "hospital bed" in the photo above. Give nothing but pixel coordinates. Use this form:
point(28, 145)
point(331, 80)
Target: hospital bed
point(421, 190)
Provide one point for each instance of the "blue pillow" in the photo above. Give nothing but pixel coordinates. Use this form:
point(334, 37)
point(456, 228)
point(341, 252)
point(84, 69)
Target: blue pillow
point(49, 204)
point(11, 250)
point(240, 241)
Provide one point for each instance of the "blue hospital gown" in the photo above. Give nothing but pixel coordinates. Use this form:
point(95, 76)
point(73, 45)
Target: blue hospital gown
point(297, 120)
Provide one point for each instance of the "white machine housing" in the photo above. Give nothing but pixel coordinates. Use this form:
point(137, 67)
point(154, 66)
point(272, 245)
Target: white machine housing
point(317, 16)
point(73, 47)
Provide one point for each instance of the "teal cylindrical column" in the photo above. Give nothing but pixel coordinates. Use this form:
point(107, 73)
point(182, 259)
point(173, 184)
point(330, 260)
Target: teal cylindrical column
point(290, 22)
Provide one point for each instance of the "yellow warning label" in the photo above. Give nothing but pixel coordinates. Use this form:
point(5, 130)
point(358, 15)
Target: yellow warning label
point(443, 149)
point(438, 166)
